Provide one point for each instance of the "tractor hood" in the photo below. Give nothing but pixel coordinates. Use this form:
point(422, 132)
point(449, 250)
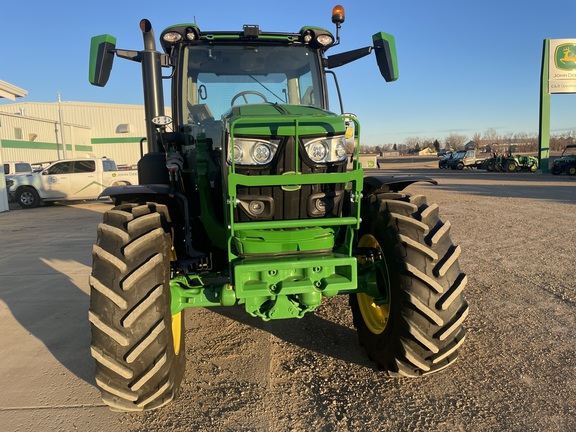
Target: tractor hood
point(283, 119)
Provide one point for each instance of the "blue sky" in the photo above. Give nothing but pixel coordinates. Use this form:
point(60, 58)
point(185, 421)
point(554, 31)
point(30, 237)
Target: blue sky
point(465, 67)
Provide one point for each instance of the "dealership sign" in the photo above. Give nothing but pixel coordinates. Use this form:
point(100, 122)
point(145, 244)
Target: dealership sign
point(562, 66)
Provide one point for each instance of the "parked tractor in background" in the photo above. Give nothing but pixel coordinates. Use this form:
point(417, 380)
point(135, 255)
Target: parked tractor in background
point(566, 163)
point(522, 163)
point(511, 163)
point(490, 163)
point(244, 199)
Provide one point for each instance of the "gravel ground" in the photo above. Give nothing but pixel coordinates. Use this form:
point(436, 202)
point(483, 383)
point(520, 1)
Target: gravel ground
point(516, 371)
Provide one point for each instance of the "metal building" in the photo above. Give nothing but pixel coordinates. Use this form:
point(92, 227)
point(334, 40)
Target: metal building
point(39, 132)
point(11, 92)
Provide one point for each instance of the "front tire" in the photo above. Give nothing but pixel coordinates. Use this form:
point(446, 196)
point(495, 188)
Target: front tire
point(415, 327)
point(27, 197)
point(137, 344)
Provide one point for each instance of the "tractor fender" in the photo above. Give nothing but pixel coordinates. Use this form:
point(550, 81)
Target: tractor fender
point(134, 190)
point(392, 183)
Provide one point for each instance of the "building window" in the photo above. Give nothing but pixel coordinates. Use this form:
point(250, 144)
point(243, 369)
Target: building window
point(18, 133)
point(123, 128)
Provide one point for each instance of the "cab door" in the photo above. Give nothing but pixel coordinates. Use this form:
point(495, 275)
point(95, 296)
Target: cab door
point(56, 180)
point(83, 181)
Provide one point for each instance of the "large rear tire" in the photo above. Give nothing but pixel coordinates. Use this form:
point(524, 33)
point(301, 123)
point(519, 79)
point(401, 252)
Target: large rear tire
point(415, 327)
point(136, 342)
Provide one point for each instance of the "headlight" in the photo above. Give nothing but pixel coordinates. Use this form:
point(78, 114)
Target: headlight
point(322, 150)
point(317, 151)
point(248, 151)
point(9, 183)
point(325, 40)
point(172, 37)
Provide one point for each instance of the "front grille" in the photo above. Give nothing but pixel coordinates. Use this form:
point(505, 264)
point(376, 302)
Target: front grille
point(286, 202)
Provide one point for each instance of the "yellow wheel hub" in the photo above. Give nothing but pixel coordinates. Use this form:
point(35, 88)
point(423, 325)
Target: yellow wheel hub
point(375, 316)
point(177, 331)
point(176, 319)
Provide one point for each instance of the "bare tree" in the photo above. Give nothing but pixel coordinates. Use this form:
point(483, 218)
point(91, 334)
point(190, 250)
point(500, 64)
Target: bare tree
point(477, 138)
point(427, 143)
point(455, 141)
point(411, 142)
point(491, 136)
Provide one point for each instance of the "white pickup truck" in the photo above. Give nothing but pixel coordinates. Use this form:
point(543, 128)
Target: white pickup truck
point(68, 179)
point(11, 168)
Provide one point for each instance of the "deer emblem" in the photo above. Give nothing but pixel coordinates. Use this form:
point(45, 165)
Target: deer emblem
point(567, 57)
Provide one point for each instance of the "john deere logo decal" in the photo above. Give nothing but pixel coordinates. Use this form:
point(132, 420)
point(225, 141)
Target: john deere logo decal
point(565, 57)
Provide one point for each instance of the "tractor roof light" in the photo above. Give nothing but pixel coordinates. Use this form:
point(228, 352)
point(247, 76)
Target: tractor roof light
point(172, 37)
point(317, 37)
point(191, 34)
point(325, 40)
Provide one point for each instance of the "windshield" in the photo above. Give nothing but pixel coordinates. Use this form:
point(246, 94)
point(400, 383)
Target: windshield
point(217, 77)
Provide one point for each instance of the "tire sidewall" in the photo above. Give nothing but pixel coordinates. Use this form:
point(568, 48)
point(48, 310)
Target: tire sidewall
point(426, 309)
point(25, 193)
point(108, 311)
point(386, 346)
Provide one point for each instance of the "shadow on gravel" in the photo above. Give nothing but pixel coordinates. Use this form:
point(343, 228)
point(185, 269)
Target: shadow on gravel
point(311, 332)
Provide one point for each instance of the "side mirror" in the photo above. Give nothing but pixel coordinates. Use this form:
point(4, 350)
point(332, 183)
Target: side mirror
point(385, 48)
point(102, 49)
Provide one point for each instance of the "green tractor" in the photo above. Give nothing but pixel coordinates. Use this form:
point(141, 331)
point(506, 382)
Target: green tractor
point(510, 163)
point(244, 198)
point(490, 162)
point(518, 163)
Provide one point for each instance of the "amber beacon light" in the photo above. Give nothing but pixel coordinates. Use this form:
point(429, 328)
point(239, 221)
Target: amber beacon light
point(338, 15)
